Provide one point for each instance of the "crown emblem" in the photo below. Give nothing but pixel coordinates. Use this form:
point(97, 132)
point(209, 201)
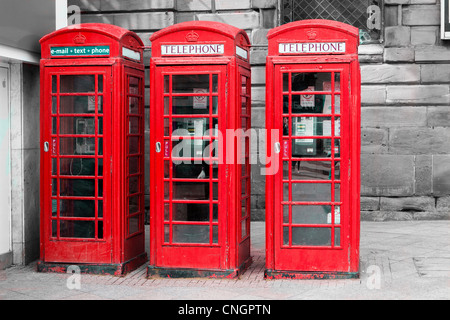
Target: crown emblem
point(192, 36)
point(312, 35)
point(79, 39)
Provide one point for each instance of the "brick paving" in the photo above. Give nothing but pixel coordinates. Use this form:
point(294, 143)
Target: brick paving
point(399, 260)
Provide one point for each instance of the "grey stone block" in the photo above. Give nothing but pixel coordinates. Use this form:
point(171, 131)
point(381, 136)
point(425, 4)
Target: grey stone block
point(397, 36)
point(374, 140)
point(421, 15)
point(390, 73)
point(418, 94)
point(382, 117)
point(410, 204)
point(421, 140)
point(423, 175)
point(387, 175)
point(441, 175)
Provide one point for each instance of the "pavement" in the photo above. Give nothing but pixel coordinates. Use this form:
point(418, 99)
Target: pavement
point(407, 260)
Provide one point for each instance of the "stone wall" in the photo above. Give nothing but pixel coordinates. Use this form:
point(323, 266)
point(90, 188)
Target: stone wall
point(405, 95)
point(405, 116)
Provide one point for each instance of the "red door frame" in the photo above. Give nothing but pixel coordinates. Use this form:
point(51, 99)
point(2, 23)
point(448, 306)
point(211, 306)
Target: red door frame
point(178, 255)
point(70, 250)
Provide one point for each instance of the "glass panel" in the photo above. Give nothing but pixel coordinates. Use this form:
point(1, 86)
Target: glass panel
point(54, 187)
point(190, 127)
point(77, 104)
point(215, 234)
point(310, 214)
point(133, 145)
point(311, 236)
point(54, 125)
point(100, 104)
point(77, 166)
point(215, 191)
point(166, 212)
point(54, 105)
point(54, 84)
point(215, 82)
point(54, 207)
point(100, 125)
point(166, 84)
point(190, 190)
point(166, 233)
point(244, 105)
point(77, 208)
point(311, 192)
point(100, 229)
point(314, 148)
point(134, 185)
point(54, 228)
point(190, 212)
point(310, 126)
point(100, 208)
point(133, 225)
point(77, 146)
point(190, 171)
point(133, 203)
point(100, 146)
point(77, 229)
point(286, 236)
point(134, 105)
point(77, 83)
point(133, 123)
point(134, 85)
point(166, 106)
point(311, 170)
point(133, 165)
point(100, 83)
point(310, 81)
point(190, 234)
point(191, 105)
point(77, 125)
point(337, 237)
point(188, 83)
point(54, 166)
point(100, 187)
point(286, 83)
point(77, 187)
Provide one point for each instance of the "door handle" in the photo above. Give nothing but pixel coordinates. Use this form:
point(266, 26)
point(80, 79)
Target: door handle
point(158, 147)
point(46, 146)
point(277, 147)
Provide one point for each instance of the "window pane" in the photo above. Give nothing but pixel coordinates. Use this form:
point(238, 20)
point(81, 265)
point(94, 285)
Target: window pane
point(77, 83)
point(77, 229)
point(187, 83)
point(190, 234)
point(77, 104)
point(355, 13)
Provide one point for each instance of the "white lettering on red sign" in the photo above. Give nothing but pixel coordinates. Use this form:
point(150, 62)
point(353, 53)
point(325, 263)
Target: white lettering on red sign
point(192, 49)
point(317, 47)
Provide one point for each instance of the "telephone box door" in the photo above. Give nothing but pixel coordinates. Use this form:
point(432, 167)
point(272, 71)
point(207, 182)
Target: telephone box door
point(311, 195)
point(77, 153)
point(190, 183)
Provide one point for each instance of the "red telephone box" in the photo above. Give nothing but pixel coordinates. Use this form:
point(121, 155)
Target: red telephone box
point(92, 158)
point(313, 108)
point(200, 196)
